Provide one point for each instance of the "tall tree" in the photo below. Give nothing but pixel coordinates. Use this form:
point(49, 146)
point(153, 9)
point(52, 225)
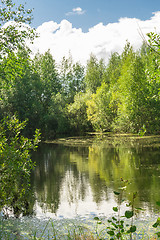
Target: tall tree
point(15, 162)
point(131, 92)
point(46, 67)
point(94, 74)
point(101, 109)
point(77, 113)
point(13, 26)
point(72, 78)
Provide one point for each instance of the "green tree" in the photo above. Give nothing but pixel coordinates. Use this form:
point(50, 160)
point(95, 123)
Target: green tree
point(113, 70)
point(15, 165)
point(13, 26)
point(94, 74)
point(56, 119)
point(101, 110)
point(15, 161)
point(78, 113)
point(152, 61)
point(45, 66)
point(131, 93)
point(21, 89)
point(72, 78)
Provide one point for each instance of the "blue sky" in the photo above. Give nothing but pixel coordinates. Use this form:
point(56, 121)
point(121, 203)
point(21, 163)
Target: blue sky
point(82, 27)
point(94, 12)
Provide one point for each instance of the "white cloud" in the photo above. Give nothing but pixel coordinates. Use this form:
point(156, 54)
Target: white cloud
point(100, 40)
point(76, 11)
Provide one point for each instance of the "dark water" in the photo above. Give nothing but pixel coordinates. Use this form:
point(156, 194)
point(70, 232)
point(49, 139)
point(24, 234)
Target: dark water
point(77, 176)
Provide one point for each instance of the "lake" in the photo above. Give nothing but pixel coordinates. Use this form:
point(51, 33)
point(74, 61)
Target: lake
point(75, 178)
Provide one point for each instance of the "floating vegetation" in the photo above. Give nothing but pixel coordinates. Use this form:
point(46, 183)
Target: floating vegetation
point(111, 139)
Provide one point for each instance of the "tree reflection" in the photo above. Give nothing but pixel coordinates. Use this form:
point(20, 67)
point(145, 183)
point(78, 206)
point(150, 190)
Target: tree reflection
point(99, 166)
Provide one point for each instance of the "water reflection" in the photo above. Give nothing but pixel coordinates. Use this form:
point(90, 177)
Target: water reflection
point(80, 177)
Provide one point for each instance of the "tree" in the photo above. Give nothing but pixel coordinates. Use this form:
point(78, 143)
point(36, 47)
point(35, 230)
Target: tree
point(94, 74)
point(72, 78)
point(45, 66)
point(14, 30)
point(77, 112)
point(15, 161)
point(152, 61)
point(21, 90)
point(15, 165)
point(56, 118)
point(113, 70)
point(101, 110)
point(131, 93)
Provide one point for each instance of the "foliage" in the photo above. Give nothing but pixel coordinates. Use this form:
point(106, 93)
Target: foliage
point(119, 228)
point(78, 114)
point(72, 78)
point(13, 26)
point(17, 95)
point(157, 223)
point(94, 73)
point(101, 110)
point(122, 95)
point(20, 90)
point(45, 66)
point(15, 165)
point(131, 94)
point(56, 118)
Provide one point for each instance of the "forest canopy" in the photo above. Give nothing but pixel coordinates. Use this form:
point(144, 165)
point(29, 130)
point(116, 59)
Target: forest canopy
point(69, 98)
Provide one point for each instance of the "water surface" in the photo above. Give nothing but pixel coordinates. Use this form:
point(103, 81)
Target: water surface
point(77, 176)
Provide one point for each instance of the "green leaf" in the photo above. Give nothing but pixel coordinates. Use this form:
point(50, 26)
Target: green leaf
point(158, 234)
point(96, 218)
point(115, 219)
point(128, 214)
point(132, 229)
point(115, 209)
point(116, 193)
point(141, 209)
point(111, 233)
point(118, 235)
point(158, 203)
point(157, 223)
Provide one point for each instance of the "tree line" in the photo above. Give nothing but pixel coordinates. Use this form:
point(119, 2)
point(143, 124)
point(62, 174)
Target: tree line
point(120, 96)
